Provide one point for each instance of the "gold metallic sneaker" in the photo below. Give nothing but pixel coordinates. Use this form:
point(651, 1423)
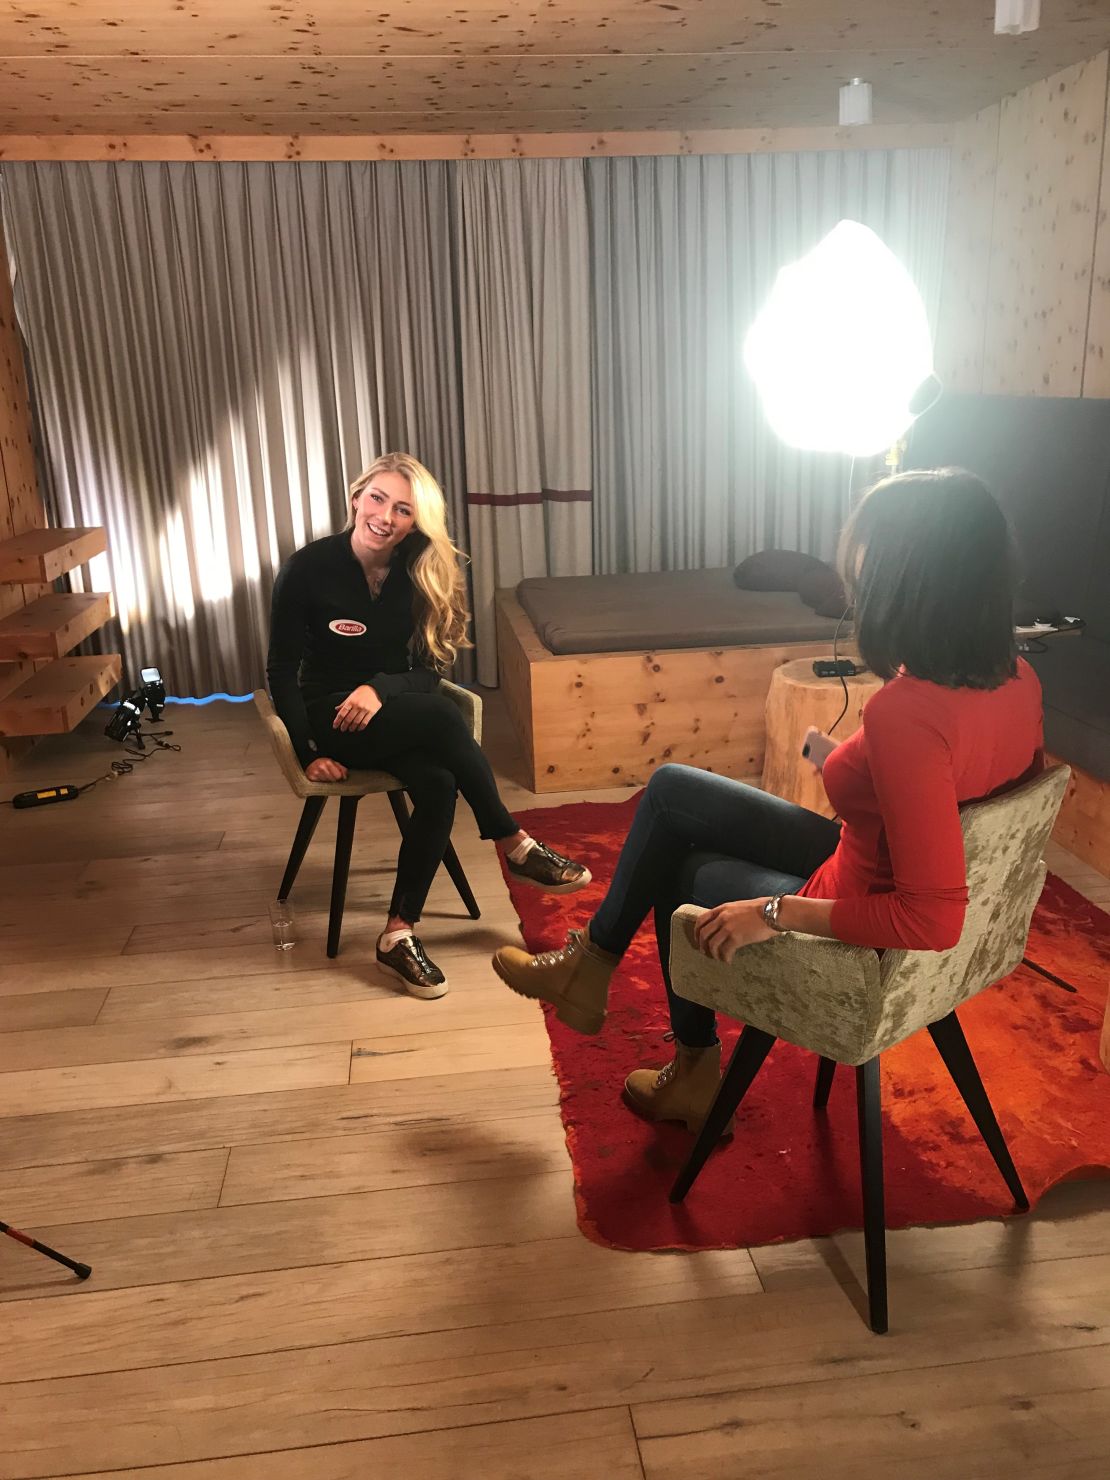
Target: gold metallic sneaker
point(575, 979)
point(545, 869)
point(408, 961)
point(682, 1090)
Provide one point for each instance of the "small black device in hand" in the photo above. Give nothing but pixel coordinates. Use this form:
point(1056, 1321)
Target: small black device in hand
point(149, 696)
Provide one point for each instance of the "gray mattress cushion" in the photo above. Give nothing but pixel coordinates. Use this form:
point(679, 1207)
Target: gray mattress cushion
point(1075, 677)
point(666, 609)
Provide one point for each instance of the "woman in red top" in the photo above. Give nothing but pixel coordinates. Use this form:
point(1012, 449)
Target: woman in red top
point(928, 557)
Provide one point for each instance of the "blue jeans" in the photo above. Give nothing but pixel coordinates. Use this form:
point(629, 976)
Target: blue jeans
point(703, 839)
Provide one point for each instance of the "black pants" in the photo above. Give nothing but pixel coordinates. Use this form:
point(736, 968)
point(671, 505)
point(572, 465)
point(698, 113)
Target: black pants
point(702, 839)
point(425, 742)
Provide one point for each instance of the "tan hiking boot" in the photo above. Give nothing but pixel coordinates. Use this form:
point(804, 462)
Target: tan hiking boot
point(682, 1090)
point(575, 980)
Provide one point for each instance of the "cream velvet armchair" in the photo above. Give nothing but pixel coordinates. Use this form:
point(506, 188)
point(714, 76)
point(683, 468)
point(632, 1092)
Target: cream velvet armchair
point(358, 784)
point(848, 1004)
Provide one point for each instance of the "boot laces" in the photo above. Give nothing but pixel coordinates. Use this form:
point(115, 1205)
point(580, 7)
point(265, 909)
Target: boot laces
point(556, 958)
point(666, 1074)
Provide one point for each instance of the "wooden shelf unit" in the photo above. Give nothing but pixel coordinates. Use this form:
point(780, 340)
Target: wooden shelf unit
point(53, 625)
point(57, 697)
point(42, 555)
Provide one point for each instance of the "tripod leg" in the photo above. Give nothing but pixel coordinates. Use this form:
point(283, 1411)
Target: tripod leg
point(82, 1271)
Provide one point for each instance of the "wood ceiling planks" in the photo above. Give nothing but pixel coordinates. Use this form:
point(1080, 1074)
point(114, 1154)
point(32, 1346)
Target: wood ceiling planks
point(261, 66)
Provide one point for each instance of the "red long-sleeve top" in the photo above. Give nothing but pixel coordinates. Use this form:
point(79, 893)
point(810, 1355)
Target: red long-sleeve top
point(898, 876)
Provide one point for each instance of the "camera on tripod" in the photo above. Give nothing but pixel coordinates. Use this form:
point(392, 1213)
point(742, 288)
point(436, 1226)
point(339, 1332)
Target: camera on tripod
point(149, 696)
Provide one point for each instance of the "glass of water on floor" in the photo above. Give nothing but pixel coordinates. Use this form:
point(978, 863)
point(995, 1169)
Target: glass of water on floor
point(281, 922)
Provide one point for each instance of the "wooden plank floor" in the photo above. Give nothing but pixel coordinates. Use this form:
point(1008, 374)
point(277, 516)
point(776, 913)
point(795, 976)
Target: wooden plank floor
point(332, 1227)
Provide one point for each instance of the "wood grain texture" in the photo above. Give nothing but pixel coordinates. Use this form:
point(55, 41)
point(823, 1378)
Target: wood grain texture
point(394, 1281)
point(87, 1191)
point(1096, 373)
point(284, 1399)
point(796, 700)
point(1045, 217)
point(1083, 827)
point(483, 67)
point(582, 1446)
point(965, 291)
point(128, 1252)
point(514, 143)
point(592, 720)
point(193, 1077)
point(972, 1423)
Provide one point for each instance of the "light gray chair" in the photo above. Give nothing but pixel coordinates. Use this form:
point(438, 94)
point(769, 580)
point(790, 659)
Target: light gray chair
point(848, 1004)
point(349, 793)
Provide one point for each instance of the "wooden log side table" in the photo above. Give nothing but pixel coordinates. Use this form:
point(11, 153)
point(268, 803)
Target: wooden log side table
point(797, 699)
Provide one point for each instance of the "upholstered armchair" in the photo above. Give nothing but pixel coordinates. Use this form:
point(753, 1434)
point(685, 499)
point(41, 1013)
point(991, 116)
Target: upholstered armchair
point(350, 792)
point(848, 1004)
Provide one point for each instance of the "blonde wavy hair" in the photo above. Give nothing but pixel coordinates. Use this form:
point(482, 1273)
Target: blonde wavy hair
point(436, 567)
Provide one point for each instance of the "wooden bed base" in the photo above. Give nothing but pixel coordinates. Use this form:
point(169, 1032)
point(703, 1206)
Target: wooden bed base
point(593, 720)
point(1083, 826)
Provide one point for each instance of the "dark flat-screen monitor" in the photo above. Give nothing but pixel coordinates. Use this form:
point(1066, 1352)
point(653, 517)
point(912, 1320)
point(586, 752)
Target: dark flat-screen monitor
point(1047, 461)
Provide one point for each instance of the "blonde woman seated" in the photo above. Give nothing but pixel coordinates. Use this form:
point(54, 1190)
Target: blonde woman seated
point(928, 559)
point(363, 624)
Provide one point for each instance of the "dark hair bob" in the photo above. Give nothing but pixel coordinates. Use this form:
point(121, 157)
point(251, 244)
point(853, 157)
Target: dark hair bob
point(930, 561)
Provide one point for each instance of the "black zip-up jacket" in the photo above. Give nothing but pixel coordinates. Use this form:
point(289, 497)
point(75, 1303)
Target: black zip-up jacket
point(328, 635)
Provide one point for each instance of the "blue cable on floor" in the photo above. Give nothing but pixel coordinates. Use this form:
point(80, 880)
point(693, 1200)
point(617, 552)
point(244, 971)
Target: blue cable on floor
point(207, 699)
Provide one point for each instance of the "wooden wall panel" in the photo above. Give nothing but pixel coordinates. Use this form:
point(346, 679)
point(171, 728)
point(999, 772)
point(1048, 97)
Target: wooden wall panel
point(1045, 215)
point(962, 323)
point(21, 507)
point(1096, 374)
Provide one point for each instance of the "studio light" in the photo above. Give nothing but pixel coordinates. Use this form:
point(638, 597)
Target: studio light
point(842, 347)
point(855, 102)
point(1012, 17)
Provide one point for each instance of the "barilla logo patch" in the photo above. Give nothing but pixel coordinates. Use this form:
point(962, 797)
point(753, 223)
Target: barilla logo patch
point(348, 628)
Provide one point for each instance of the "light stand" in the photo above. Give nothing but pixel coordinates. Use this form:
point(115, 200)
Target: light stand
point(82, 1271)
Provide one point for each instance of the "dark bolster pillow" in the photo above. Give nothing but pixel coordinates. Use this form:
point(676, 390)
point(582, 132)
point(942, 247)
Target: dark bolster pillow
point(776, 570)
point(823, 590)
point(816, 583)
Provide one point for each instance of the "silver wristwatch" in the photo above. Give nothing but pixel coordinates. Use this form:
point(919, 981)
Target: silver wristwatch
point(770, 912)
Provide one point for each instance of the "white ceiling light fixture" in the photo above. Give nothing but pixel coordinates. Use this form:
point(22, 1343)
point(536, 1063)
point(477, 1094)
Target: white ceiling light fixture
point(842, 348)
point(1012, 17)
point(855, 103)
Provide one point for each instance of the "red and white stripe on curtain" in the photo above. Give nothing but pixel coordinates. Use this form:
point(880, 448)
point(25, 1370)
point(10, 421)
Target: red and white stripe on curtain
point(524, 307)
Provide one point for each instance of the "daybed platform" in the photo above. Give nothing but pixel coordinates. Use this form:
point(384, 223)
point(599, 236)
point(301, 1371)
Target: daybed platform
point(608, 677)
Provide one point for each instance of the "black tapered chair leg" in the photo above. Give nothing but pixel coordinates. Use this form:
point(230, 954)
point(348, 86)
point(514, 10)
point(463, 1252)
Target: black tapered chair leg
point(747, 1059)
point(826, 1069)
point(869, 1107)
point(344, 838)
point(450, 858)
point(461, 882)
point(953, 1048)
point(400, 809)
point(310, 816)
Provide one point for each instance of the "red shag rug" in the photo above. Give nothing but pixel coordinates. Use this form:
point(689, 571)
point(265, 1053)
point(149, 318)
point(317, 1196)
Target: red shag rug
point(791, 1173)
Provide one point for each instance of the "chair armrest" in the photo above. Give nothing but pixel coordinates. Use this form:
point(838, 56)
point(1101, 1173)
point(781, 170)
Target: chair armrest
point(820, 994)
point(470, 704)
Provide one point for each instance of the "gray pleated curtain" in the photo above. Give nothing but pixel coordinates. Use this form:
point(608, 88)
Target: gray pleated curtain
point(687, 473)
point(217, 349)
